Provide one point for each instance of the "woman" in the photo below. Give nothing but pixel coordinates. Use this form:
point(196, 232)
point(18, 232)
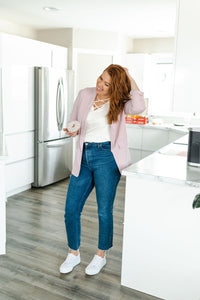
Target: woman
point(101, 154)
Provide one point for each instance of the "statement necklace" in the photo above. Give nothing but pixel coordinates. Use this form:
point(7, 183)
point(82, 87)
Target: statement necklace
point(102, 101)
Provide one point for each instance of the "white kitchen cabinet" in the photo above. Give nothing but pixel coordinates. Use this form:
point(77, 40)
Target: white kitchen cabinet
point(134, 142)
point(18, 56)
point(21, 51)
point(59, 57)
point(161, 239)
point(143, 141)
point(153, 139)
point(175, 135)
point(136, 155)
point(20, 146)
point(19, 176)
point(18, 126)
point(134, 136)
point(18, 99)
point(139, 65)
point(17, 50)
point(2, 208)
point(145, 153)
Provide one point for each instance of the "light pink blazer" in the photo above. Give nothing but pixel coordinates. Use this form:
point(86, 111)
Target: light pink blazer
point(118, 136)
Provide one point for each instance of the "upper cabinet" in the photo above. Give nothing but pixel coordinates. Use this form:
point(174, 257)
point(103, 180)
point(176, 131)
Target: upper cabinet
point(15, 50)
point(18, 99)
point(139, 65)
point(187, 62)
point(25, 52)
point(59, 56)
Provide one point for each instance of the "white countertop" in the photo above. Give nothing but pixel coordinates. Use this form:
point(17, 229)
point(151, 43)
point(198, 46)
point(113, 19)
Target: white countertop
point(165, 126)
point(168, 164)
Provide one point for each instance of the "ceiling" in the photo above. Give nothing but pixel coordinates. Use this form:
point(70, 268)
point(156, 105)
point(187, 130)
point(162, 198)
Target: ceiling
point(136, 18)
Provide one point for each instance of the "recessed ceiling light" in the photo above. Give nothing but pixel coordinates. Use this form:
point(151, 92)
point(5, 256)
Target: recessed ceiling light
point(49, 8)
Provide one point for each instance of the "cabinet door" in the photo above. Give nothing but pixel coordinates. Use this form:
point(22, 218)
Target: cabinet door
point(135, 155)
point(19, 175)
point(59, 57)
point(2, 209)
point(134, 135)
point(154, 139)
point(17, 50)
point(18, 99)
point(174, 135)
point(145, 153)
point(20, 146)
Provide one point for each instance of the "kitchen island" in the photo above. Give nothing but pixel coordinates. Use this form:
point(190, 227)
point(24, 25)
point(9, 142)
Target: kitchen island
point(161, 243)
point(2, 207)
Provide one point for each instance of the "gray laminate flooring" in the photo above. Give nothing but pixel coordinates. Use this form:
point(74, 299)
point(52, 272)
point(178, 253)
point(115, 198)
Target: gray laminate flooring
point(36, 246)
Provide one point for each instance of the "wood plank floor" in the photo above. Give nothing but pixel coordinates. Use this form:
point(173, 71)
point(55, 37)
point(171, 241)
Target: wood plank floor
point(36, 246)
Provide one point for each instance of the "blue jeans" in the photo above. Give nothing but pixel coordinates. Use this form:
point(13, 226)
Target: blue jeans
point(99, 169)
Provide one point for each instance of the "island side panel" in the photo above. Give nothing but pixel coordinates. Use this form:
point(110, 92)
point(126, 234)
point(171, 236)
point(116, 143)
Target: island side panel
point(2, 210)
point(161, 242)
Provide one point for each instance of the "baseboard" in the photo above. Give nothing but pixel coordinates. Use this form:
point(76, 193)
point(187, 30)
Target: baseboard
point(18, 190)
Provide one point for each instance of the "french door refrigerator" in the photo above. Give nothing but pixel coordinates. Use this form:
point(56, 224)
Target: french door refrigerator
point(53, 104)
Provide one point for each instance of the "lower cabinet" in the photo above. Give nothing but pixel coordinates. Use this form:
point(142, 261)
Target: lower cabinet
point(19, 165)
point(174, 135)
point(19, 176)
point(2, 209)
point(143, 141)
point(135, 155)
point(154, 139)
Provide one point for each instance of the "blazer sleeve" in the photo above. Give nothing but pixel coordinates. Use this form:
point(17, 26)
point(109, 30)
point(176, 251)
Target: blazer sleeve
point(136, 105)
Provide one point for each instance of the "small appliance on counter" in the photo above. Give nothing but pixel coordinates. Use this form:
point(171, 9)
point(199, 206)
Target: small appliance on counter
point(193, 157)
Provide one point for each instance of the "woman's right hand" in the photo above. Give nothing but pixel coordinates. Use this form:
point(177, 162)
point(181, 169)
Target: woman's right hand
point(72, 134)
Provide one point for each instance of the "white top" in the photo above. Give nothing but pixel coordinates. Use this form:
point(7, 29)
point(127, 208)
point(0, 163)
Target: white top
point(97, 127)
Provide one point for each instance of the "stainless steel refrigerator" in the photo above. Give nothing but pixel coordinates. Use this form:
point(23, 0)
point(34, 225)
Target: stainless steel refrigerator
point(53, 104)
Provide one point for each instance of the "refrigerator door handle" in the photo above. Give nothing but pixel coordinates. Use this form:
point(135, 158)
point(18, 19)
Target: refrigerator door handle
point(56, 145)
point(63, 102)
point(60, 105)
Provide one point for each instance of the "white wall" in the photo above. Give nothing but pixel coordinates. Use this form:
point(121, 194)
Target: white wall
point(153, 45)
point(61, 37)
point(187, 62)
point(74, 38)
point(88, 39)
point(16, 29)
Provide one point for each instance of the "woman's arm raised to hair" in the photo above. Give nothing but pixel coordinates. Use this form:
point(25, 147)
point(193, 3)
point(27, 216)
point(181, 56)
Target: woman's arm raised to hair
point(136, 105)
point(133, 83)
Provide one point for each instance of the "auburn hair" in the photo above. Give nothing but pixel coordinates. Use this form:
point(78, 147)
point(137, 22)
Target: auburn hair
point(120, 88)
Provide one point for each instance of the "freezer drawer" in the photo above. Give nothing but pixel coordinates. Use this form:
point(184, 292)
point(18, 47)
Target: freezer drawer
point(53, 161)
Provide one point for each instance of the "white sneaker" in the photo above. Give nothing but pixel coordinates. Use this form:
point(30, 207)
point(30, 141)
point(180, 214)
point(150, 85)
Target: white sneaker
point(95, 265)
point(70, 262)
